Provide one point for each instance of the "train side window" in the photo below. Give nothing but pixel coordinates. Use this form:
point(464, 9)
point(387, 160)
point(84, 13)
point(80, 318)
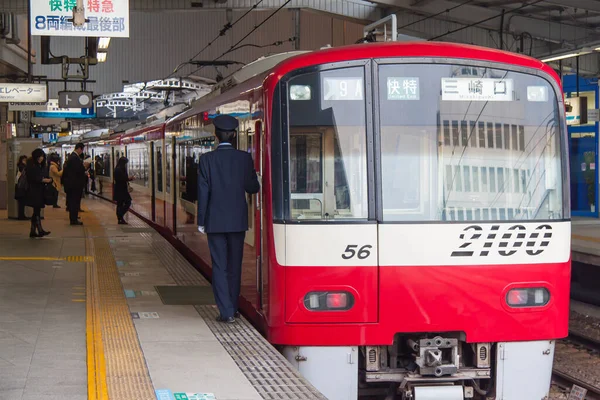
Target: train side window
point(328, 146)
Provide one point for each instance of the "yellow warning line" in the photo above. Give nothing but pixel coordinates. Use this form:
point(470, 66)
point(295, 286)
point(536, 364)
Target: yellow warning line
point(97, 388)
point(119, 361)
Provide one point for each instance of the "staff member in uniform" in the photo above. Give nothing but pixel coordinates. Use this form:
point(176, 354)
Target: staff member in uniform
point(225, 176)
point(74, 179)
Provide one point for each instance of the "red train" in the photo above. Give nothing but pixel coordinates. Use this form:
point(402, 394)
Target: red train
point(413, 228)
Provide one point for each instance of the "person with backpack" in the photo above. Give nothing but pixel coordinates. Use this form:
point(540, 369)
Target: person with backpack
point(36, 181)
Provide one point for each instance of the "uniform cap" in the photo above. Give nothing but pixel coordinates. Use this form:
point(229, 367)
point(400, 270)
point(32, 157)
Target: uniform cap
point(225, 123)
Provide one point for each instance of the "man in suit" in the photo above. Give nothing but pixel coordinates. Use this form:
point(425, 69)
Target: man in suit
point(74, 178)
point(225, 176)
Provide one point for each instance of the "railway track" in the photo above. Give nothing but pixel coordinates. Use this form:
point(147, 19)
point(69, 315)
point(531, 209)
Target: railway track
point(577, 361)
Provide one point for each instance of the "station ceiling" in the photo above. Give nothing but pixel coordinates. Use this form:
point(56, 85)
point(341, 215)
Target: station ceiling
point(565, 23)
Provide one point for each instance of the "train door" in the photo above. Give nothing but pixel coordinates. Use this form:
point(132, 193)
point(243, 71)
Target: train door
point(159, 193)
point(259, 223)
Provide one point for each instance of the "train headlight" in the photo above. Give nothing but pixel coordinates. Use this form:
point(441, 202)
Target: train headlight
point(328, 301)
point(528, 297)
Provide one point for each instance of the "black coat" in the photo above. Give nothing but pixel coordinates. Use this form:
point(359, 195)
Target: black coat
point(225, 176)
point(121, 187)
point(35, 192)
point(74, 177)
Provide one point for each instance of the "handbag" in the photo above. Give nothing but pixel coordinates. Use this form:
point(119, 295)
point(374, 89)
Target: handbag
point(50, 195)
point(21, 187)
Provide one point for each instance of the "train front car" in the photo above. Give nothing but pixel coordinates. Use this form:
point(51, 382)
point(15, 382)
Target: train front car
point(420, 220)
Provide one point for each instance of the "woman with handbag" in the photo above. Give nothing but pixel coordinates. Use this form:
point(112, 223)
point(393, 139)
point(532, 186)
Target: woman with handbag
point(121, 189)
point(35, 197)
point(56, 174)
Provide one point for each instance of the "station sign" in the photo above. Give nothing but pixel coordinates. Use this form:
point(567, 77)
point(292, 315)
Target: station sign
point(27, 106)
point(106, 18)
point(53, 110)
point(70, 99)
point(477, 89)
point(23, 92)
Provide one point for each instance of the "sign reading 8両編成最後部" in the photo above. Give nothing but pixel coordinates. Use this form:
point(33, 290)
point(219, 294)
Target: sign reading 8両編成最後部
point(106, 18)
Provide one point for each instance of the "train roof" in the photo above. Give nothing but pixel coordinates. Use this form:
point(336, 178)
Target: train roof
point(276, 66)
point(408, 49)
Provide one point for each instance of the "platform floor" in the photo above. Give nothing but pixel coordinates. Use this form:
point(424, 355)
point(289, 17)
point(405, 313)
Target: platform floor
point(80, 318)
point(585, 240)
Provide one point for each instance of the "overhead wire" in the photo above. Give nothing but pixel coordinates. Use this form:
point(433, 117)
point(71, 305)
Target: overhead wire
point(512, 10)
point(246, 36)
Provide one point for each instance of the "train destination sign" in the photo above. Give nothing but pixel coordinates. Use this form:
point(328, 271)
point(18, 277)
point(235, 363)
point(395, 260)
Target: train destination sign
point(336, 89)
point(403, 88)
point(477, 89)
point(106, 18)
point(23, 92)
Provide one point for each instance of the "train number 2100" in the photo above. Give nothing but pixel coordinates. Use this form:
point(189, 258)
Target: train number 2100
point(362, 253)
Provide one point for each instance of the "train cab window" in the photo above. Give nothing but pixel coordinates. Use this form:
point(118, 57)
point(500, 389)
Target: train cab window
point(425, 178)
point(327, 145)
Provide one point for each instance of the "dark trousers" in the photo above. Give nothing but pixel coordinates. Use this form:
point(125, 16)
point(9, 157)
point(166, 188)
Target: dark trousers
point(226, 252)
point(74, 203)
point(122, 208)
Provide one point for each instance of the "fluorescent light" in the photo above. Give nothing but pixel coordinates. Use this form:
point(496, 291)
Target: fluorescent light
point(101, 56)
point(103, 43)
point(567, 55)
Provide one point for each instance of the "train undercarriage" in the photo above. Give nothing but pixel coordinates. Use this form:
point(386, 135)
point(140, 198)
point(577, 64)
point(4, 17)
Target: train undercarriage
point(428, 366)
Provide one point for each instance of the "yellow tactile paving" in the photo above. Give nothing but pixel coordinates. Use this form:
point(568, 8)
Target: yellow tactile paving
point(68, 259)
point(118, 363)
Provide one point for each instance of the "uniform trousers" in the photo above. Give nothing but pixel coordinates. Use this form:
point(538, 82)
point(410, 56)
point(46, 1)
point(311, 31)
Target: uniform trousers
point(226, 252)
point(74, 203)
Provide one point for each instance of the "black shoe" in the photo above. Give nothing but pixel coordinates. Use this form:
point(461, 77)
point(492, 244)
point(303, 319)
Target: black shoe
point(229, 320)
point(41, 230)
point(123, 222)
point(33, 232)
point(237, 315)
point(56, 206)
point(77, 223)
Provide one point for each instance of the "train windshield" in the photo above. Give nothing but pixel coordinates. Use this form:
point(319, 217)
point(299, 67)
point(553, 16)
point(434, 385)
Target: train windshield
point(465, 143)
point(451, 143)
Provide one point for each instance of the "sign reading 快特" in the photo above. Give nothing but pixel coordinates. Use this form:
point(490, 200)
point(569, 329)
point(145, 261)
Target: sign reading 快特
point(107, 18)
point(23, 92)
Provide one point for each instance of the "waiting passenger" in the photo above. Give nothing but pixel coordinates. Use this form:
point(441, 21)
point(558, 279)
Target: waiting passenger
point(20, 196)
point(225, 176)
point(56, 174)
point(74, 178)
point(121, 190)
point(36, 180)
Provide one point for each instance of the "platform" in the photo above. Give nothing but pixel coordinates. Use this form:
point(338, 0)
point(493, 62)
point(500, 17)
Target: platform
point(109, 311)
point(585, 244)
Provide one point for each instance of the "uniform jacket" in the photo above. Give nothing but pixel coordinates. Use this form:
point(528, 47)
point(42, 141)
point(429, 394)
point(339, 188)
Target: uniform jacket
point(56, 175)
point(35, 192)
point(225, 176)
point(74, 177)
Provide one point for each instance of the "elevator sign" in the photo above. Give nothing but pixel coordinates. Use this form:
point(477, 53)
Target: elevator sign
point(105, 18)
point(23, 92)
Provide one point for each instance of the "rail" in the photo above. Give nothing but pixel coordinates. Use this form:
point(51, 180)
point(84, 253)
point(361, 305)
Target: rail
point(566, 380)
